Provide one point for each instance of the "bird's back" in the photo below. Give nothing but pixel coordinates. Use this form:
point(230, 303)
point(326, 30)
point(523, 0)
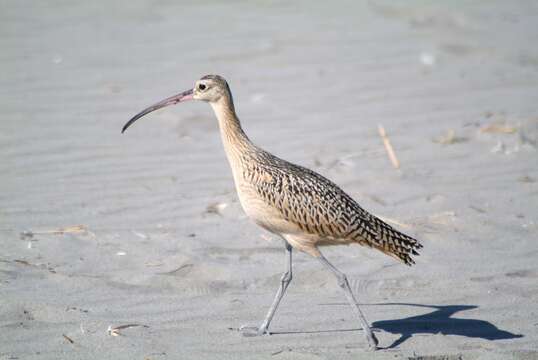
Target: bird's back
point(291, 198)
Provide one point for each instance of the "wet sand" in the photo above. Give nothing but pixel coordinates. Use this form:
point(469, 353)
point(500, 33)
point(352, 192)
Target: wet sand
point(164, 243)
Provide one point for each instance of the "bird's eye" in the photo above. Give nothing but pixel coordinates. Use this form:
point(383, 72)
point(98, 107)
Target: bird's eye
point(201, 87)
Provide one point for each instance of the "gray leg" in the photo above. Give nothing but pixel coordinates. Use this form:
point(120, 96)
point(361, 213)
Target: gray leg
point(344, 284)
point(284, 282)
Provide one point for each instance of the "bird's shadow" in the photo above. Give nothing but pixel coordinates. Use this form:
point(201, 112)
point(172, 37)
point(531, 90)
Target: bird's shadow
point(439, 321)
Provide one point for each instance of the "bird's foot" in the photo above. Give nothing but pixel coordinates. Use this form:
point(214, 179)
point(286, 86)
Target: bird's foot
point(250, 331)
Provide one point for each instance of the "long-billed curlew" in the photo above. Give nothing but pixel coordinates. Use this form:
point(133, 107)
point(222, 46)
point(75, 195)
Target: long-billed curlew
point(301, 206)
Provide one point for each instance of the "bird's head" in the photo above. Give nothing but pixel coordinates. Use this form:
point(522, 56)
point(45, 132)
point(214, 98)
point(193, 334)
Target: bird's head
point(210, 88)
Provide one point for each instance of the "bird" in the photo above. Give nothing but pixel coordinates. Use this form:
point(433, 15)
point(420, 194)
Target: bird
point(302, 207)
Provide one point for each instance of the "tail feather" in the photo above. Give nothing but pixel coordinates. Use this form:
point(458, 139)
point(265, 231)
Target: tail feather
point(390, 241)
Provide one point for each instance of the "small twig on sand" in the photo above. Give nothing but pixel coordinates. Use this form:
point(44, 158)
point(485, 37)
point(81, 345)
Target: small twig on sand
point(499, 128)
point(388, 147)
point(60, 231)
point(184, 266)
point(24, 262)
point(68, 339)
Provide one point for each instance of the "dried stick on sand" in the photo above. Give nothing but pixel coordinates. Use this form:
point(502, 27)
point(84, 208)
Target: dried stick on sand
point(388, 147)
point(74, 229)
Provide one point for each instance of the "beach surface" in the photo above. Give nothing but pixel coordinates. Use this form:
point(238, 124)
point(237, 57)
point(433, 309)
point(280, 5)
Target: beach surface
point(135, 246)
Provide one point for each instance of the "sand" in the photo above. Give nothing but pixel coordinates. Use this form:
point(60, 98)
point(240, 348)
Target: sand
point(164, 244)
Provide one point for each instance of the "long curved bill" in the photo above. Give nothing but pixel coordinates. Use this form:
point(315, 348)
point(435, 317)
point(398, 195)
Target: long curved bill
point(172, 100)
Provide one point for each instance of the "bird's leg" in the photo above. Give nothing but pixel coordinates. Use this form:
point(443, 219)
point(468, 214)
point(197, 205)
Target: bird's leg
point(344, 284)
point(284, 282)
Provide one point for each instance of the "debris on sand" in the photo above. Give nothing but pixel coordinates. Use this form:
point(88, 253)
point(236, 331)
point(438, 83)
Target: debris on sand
point(449, 138)
point(216, 208)
point(115, 331)
point(526, 179)
point(68, 339)
point(477, 209)
point(73, 229)
point(499, 128)
point(153, 263)
point(140, 235)
point(26, 235)
point(388, 147)
point(39, 265)
point(177, 270)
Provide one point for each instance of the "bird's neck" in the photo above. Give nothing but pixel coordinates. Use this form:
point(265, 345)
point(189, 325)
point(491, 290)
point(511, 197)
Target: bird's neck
point(236, 142)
